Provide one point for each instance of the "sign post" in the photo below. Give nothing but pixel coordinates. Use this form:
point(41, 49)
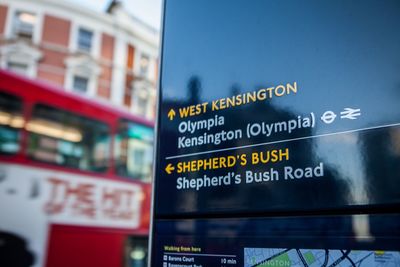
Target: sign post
point(278, 134)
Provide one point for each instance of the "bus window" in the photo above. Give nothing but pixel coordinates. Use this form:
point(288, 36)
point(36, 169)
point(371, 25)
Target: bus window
point(134, 150)
point(136, 253)
point(67, 139)
point(11, 123)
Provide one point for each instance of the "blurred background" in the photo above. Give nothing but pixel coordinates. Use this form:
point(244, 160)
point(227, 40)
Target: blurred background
point(78, 85)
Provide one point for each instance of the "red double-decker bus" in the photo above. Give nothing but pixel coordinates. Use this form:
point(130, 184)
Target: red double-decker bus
point(74, 179)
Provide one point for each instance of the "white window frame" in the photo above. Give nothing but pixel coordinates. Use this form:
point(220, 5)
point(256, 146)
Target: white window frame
point(17, 29)
point(143, 89)
point(21, 53)
point(147, 72)
point(141, 48)
point(91, 47)
point(82, 66)
point(139, 93)
point(69, 81)
point(74, 35)
point(11, 14)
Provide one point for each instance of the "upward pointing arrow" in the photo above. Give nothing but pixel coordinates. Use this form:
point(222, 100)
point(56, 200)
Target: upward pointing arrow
point(171, 114)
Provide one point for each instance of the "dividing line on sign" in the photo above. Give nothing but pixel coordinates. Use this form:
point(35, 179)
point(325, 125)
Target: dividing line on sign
point(282, 141)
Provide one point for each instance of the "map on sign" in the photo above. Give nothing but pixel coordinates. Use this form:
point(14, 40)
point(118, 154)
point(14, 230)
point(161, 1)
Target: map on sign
point(319, 257)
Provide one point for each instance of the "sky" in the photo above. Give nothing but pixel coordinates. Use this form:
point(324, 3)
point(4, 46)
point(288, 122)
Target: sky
point(148, 11)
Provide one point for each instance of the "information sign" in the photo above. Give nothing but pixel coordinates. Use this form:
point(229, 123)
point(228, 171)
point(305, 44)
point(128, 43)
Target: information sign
point(271, 110)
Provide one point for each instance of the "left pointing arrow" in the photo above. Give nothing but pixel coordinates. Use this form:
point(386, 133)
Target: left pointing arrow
point(169, 168)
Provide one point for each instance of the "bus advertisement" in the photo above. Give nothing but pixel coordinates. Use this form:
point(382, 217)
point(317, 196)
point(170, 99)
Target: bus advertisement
point(278, 138)
point(74, 179)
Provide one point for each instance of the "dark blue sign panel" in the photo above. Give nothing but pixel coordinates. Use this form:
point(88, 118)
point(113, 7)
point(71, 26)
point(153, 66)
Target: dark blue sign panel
point(279, 241)
point(274, 108)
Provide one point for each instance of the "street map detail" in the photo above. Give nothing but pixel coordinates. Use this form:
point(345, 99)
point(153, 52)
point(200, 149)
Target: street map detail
point(319, 257)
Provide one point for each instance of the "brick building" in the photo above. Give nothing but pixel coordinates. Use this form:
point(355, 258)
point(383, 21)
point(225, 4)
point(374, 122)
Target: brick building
point(110, 57)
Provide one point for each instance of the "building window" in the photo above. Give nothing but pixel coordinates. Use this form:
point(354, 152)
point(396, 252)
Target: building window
point(68, 139)
point(20, 57)
point(85, 40)
point(80, 84)
point(19, 68)
point(24, 23)
point(141, 108)
point(144, 64)
point(134, 150)
point(11, 123)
